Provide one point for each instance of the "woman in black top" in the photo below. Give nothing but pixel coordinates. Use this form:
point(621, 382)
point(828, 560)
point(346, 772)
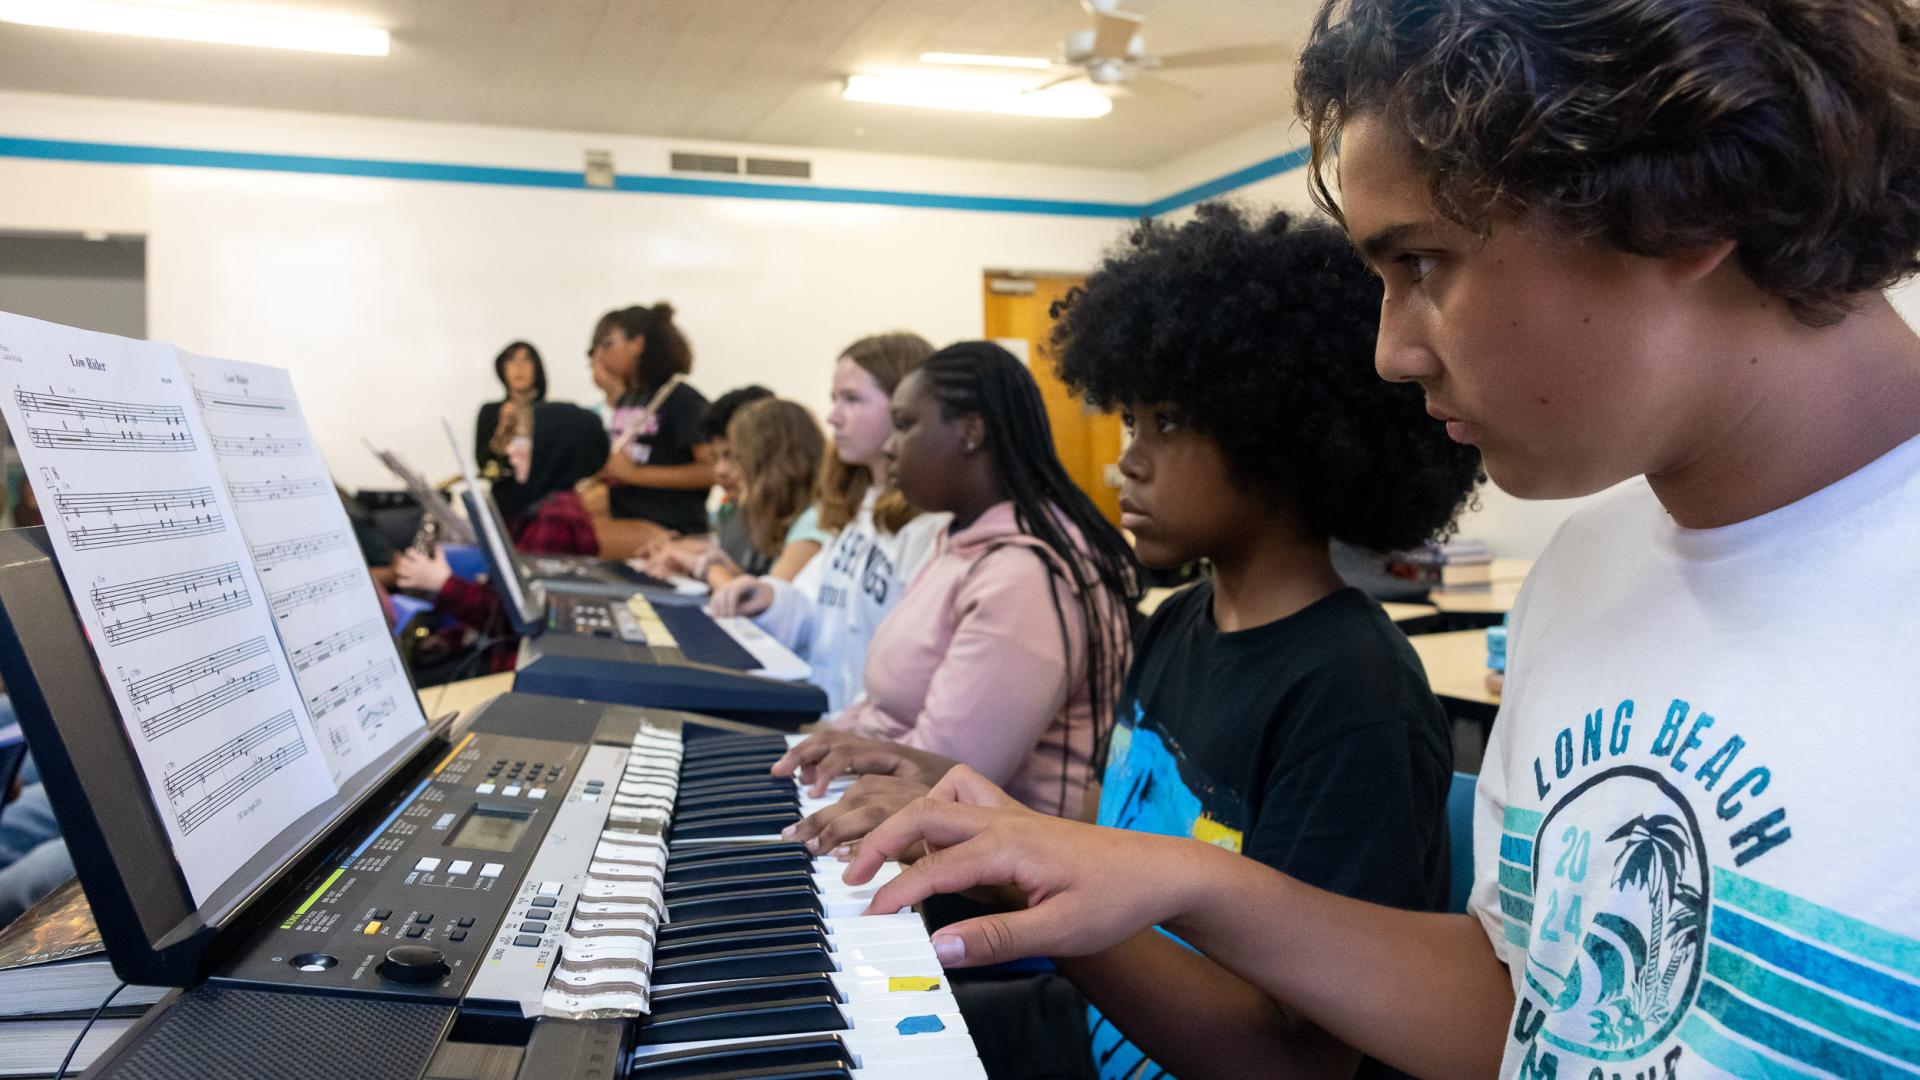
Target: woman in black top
point(520, 370)
point(659, 470)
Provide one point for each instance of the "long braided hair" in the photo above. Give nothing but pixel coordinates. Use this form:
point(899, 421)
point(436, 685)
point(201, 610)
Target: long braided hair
point(983, 379)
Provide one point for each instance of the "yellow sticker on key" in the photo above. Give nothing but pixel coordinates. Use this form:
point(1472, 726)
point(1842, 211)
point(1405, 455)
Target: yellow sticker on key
point(903, 983)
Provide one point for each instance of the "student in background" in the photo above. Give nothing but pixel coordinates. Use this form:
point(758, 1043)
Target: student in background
point(770, 455)
point(828, 613)
point(658, 471)
point(1608, 255)
point(543, 514)
point(677, 554)
point(1009, 647)
point(521, 372)
point(1270, 709)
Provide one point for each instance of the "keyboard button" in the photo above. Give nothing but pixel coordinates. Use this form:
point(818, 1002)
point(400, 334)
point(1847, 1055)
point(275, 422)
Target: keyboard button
point(533, 928)
point(466, 922)
point(550, 888)
point(527, 941)
point(457, 935)
point(537, 793)
point(544, 901)
point(427, 865)
point(423, 917)
point(416, 931)
point(372, 927)
point(460, 866)
point(493, 869)
point(511, 791)
point(383, 914)
point(483, 789)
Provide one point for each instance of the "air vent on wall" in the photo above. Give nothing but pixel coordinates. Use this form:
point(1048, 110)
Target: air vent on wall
point(706, 163)
point(795, 170)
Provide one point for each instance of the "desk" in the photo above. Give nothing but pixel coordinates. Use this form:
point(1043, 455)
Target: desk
point(1497, 600)
point(1456, 664)
point(464, 696)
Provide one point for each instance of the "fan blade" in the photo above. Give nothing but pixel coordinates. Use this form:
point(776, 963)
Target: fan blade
point(1159, 87)
point(1277, 52)
point(1051, 83)
point(1113, 33)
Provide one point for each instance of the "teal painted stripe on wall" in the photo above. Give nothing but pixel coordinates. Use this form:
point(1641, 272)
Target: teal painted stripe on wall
point(1239, 178)
point(131, 154)
point(126, 154)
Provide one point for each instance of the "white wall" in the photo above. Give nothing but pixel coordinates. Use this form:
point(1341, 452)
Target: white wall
point(388, 298)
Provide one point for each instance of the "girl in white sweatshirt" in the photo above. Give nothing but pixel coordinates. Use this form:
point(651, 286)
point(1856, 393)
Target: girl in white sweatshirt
point(828, 613)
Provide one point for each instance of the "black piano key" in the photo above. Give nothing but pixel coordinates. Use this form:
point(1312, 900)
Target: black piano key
point(814, 1057)
point(751, 902)
point(772, 920)
point(720, 938)
point(744, 963)
point(689, 856)
point(745, 991)
point(792, 1016)
point(707, 869)
point(742, 825)
point(685, 816)
point(688, 890)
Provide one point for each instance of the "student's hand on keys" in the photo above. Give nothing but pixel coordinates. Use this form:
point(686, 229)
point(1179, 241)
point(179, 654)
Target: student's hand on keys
point(742, 596)
point(425, 573)
point(1086, 888)
point(870, 801)
point(827, 755)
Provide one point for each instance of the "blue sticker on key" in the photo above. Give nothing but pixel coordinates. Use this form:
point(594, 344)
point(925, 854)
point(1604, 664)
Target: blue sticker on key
point(919, 1025)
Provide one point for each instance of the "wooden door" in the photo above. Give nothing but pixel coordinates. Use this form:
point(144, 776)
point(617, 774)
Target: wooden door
point(1088, 441)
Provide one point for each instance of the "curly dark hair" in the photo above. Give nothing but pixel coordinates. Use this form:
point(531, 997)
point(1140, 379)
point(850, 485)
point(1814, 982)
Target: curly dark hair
point(1791, 127)
point(1263, 337)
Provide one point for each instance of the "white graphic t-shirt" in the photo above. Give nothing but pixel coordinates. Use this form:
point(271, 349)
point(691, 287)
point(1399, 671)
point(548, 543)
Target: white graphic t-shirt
point(829, 612)
point(1697, 840)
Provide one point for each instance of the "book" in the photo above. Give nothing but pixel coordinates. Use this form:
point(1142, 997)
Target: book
point(34, 1048)
point(52, 963)
point(215, 573)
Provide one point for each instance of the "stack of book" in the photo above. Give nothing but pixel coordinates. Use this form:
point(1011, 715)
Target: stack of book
point(53, 974)
point(1460, 563)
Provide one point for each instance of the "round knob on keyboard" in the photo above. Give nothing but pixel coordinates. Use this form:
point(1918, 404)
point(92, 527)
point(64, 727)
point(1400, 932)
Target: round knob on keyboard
point(413, 964)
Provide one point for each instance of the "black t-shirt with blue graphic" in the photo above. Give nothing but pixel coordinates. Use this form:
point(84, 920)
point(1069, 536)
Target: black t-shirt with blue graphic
point(1312, 744)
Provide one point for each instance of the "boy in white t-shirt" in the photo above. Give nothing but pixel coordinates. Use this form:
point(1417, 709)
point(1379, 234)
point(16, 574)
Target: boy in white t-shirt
point(1622, 239)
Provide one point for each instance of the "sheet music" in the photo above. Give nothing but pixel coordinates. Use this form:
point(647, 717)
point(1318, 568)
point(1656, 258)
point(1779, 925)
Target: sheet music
point(165, 586)
point(317, 588)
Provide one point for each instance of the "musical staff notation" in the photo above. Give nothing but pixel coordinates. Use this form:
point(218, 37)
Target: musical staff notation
point(351, 687)
point(245, 403)
point(375, 714)
point(259, 752)
point(260, 446)
point(119, 518)
point(335, 644)
point(155, 605)
point(77, 423)
point(288, 599)
point(274, 490)
point(169, 683)
point(268, 556)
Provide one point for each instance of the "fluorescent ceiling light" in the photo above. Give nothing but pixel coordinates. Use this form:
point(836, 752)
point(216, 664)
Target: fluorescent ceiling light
point(983, 60)
point(220, 27)
point(979, 95)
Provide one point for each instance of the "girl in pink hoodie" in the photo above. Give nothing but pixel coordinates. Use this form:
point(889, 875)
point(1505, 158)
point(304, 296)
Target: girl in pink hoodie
point(1007, 650)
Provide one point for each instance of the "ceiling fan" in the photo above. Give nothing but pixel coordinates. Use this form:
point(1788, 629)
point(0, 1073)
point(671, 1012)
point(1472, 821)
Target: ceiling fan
point(1112, 52)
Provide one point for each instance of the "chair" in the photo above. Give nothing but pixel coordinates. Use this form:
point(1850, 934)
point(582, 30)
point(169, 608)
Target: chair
point(1460, 839)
